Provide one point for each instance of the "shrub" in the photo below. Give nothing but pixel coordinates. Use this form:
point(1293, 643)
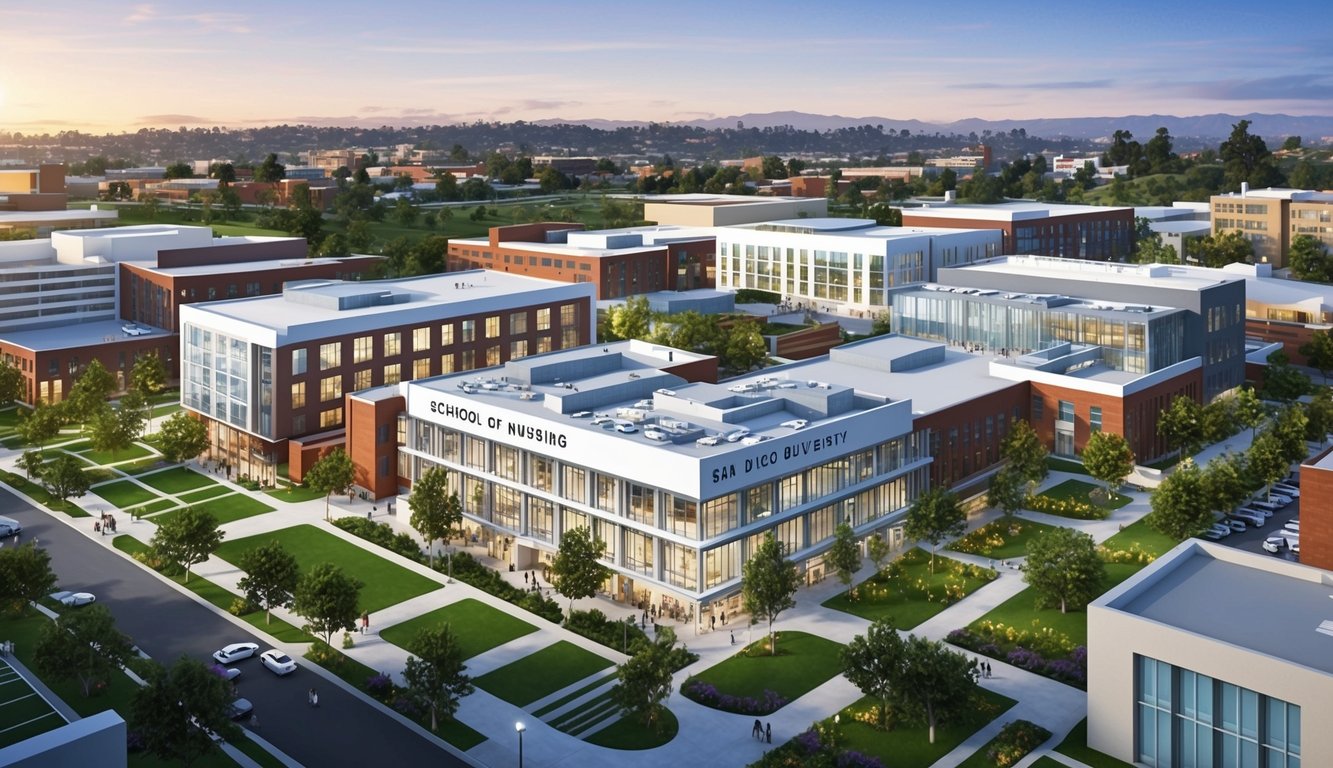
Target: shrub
point(1043, 650)
point(1133, 555)
point(708, 695)
point(1016, 739)
point(383, 535)
point(241, 607)
point(1071, 508)
point(379, 685)
point(466, 568)
point(347, 640)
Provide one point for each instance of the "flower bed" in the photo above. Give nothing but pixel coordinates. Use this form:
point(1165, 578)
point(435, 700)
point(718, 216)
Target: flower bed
point(710, 696)
point(1043, 651)
point(1015, 741)
point(1002, 538)
point(1071, 508)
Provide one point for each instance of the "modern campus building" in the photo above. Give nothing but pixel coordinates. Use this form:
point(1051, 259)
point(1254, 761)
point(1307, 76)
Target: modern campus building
point(620, 263)
point(1098, 233)
point(845, 264)
point(1213, 656)
point(1270, 218)
point(112, 294)
point(268, 374)
point(705, 210)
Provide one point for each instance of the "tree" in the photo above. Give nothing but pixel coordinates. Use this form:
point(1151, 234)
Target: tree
point(1006, 491)
point(328, 600)
point(435, 511)
point(1225, 482)
point(1179, 503)
point(1248, 410)
point(1222, 248)
point(31, 463)
point(644, 680)
point(1181, 424)
point(1266, 460)
point(1319, 352)
point(873, 663)
point(1282, 382)
point(631, 320)
point(271, 575)
point(1288, 428)
point(1309, 259)
point(933, 684)
point(178, 712)
point(877, 549)
point(934, 517)
point(187, 538)
point(1064, 568)
point(114, 429)
point(1107, 457)
point(1246, 158)
point(434, 672)
point(881, 324)
point(1319, 416)
point(182, 437)
point(65, 478)
point(577, 571)
point(334, 473)
point(83, 645)
point(1024, 452)
point(270, 170)
point(225, 173)
point(1150, 250)
point(178, 170)
point(25, 576)
point(41, 424)
point(149, 375)
point(844, 556)
point(12, 384)
point(90, 391)
point(769, 583)
point(745, 348)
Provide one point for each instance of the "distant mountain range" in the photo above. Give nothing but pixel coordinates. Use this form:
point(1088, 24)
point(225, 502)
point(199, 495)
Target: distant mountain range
point(1215, 126)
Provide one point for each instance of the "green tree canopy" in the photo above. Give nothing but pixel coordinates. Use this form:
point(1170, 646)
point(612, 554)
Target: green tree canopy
point(187, 538)
point(182, 437)
point(644, 680)
point(1179, 503)
point(180, 709)
point(12, 384)
point(577, 570)
point(83, 645)
point(1108, 458)
point(934, 517)
point(844, 557)
point(90, 391)
point(1025, 453)
point(631, 320)
point(1246, 158)
point(271, 576)
point(41, 424)
point(934, 684)
point(270, 170)
point(334, 473)
point(873, 663)
point(434, 672)
point(436, 512)
point(1064, 568)
point(327, 598)
point(1006, 491)
point(25, 577)
point(1181, 424)
point(1319, 352)
point(64, 477)
point(1283, 382)
point(769, 584)
point(149, 375)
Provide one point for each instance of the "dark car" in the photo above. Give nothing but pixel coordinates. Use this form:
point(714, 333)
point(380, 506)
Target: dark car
point(240, 709)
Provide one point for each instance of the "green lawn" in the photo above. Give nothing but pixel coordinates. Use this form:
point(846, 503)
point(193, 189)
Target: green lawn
point(541, 674)
point(803, 662)
point(221, 597)
point(479, 627)
point(203, 494)
point(1139, 535)
point(294, 494)
point(134, 451)
point(1002, 538)
point(908, 593)
point(1075, 745)
point(1021, 612)
point(153, 506)
point(563, 700)
point(233, 507)
point(630, 733)
point(1048, 762)
point(124, 493)
point(384, 583)
point(143, 465)
point(176, 480)
point(908, 746)
point(40, 495)
point(1079, 490)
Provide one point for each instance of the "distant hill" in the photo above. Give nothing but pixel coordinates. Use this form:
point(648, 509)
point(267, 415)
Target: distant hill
point(1215, 126)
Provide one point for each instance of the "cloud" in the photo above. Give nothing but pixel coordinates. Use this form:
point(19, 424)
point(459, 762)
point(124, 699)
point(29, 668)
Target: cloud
point(1059, 85)
point(170, 119)
point(145, 13)
point(537, 104)
point(141, 13)
point(1307, 87)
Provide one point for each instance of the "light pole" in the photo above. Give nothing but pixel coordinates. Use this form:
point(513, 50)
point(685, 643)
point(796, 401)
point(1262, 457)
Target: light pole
point(520, 727)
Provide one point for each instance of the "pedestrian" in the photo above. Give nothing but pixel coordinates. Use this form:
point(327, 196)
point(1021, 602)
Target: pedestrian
point(367, 515)
point(711, 621)
point(525, 577)
point(768, 732)
point(254, 722)
point(758, 730)
point(733, 637)
point(987, 669)
point(365, 623)
point(310, 697)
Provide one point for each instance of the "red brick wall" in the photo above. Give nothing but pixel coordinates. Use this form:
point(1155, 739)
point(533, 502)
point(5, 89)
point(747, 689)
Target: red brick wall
point(1291, 335)
point(812, 342)
point(369, 421)
point(116, 356)
point(529, 233)
point(1317, 514)
point(959, 459)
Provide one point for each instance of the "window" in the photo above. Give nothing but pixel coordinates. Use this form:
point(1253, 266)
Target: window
point(518, 323)
point(393, 373)
point(298, 362)
point(518, 349)
point(420, 339)
point(492, 355)
point(447, 363)
point(544, 319)
point(568, 314)
point(469, 330)
point(468, 361)
point(446, 334)
point(333, 417)
point(569, 338)
point(1038, 407)
point(330, 355)
point(298, 395)
point(1095, 418)
point(1066, 411)
point(330, 388)
point(298, 424)
point(393, 344)
point(363, 380)
point(574, 484)
point(363, 348)
point(421, 368)
point(493, 326)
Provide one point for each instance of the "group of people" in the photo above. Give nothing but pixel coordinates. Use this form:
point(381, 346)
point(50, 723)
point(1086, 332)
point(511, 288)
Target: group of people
point(106, 525)
point(762, 731)
point(983, 667)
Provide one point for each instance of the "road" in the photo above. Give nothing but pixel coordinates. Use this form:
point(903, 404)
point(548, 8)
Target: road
point(167, 625)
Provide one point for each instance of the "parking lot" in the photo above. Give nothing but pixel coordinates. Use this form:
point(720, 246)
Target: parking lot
point(1251, 538)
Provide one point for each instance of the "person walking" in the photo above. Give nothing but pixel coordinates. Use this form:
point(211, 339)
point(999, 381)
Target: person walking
point(733, 637)
point(365, 622)
point(757, 732)
point(768, 732)
point(712, 621)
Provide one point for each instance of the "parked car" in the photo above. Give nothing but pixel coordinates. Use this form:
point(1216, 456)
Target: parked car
point(1219, 529)
point(736, 434)
point(277, 662)
point(1235, 524)
point(626, 427)
point(1255, 519)
point(1214, 533)
point(1266, 507)
point(707, 440)
point(1293, 479)
point(9, 527)
point(74, 599)
point(1292, 525)
point(240, 709)
point(1274, 544)
point(235, 652)
point(1279, 499)
point(1287, 490)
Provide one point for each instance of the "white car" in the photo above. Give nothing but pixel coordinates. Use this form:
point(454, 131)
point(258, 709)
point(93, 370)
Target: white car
point(1234, 524)
point(600, 420)
point(736, 435)
point(9, 527)
point(708, 440)
point(626, 428)
point(1250, 516)
point(1274, 544)
point(1292, 525)
point(1287, 490)
point(277, 662)
point(1219, 529)
point(796, 423)
point(235, 652)
point(74, 599)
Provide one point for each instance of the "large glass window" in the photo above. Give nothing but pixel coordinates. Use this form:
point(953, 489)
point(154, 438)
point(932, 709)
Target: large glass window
point(544, 319)
point(722, 564)
point(330, 388)
point(393, 344)
point(721, 515)
point(362, 379)
point(421, 368)
point(606, 492)
point(541, 473)
point(518, 323)
point(363, 348)
point(639, 501)
point(420, 339)
point(298, 395)
point(330, 355)
point(680, 565)
point(333, 417)
point(469, 328)
point(683, 517)
point(393, 373)
point(638, 551)
point(506, 462)
point(492, 327)
point(1066, 411)
point(568, 315)
point(298, 362)
point(446, 334)
point(574, 484)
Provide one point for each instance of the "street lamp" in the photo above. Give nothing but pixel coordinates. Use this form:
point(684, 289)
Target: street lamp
point(520, 727)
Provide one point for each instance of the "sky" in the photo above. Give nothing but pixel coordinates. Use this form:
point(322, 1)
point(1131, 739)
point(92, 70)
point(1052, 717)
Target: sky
point(109, 66)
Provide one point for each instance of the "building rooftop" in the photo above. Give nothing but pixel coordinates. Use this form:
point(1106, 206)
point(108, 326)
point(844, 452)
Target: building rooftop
point(1271, 606)
point(1049, 300)
point(702, 198)
point(600, 243)
point(55, 217)
point(1013, 210)
point(76, 334)
point(1280, 193)
point(834, 227)
point(242, 266)
point(1147, 275)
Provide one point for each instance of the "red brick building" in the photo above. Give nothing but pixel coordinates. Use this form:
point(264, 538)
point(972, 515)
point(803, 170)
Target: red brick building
point(1317, 511)
point(1098, 233)
point(619, 263)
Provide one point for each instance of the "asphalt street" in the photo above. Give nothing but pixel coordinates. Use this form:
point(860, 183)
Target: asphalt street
point(1251, 539)
point(343, 730)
